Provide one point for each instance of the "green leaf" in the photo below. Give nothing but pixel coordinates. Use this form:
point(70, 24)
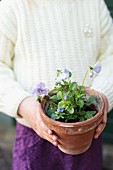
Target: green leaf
point(60, 115)
point(50, 111)
point(54, 97)
point(91, 99)
point(80, 96)
point(53, 116)
point(73, 86)
point(81, 103)
point(82, 119)
point(59, 95)
point(70, 110)
point(89, 114)
point(81, 88)
point(61, 104)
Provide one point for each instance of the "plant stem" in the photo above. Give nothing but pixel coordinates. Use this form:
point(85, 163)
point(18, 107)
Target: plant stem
point(53, 103)
point(84, 77)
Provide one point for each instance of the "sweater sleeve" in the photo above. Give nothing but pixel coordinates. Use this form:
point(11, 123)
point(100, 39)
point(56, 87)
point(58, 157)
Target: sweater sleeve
point(104, 81)
point(11, 91)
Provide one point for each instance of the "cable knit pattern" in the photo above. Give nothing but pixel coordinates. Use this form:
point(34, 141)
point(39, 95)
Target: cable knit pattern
point(40, 36)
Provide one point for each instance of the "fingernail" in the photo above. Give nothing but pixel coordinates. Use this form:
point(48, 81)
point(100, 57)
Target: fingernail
point(55, 138)
point(96, 136)
point(55, 143)
point(49, 131)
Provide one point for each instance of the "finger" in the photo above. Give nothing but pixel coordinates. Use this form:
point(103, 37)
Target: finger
point(49, 131)
point(104, 120)
point(45, 136)
point(40, 122)
point(50, 139)
point(99, 130)
point(55, 138)
point(52, 136)
point(55, 143)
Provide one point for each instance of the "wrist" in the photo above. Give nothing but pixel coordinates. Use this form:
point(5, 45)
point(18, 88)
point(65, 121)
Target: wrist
point(28, 105)
point(21, 107)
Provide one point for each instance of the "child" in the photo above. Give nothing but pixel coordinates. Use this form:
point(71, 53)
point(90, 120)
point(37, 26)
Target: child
point(37, 37)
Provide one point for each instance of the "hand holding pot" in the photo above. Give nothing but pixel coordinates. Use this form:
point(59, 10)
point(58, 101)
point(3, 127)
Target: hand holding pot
point(29, 109)
point(102, 125)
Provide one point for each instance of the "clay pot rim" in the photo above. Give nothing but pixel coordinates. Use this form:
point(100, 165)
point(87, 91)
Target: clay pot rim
point(78, 124)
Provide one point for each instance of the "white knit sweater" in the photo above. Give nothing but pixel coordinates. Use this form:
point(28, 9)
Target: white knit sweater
point(38, 37)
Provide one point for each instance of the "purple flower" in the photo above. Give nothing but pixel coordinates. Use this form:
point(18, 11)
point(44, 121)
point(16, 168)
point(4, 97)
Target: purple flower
point(39, 89)
point(65, 97)
point(60, 110)
point(58, 79)
point(64, 74)
point(95, 70)
point(97, 67)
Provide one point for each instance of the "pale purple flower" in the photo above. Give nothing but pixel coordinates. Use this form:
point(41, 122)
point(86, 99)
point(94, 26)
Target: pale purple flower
point(96, 69)
point(64, 74)
point(58, 79)
point(60, 110)
point(39, 89)
point(65, 97)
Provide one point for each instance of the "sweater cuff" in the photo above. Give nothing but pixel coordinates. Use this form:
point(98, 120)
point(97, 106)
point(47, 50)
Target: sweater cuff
point(12, 100)
point(106, 88)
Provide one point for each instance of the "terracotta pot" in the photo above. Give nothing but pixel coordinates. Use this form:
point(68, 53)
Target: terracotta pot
point(76, 138)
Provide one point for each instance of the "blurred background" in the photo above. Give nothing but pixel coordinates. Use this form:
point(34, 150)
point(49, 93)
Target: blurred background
point(7, 134)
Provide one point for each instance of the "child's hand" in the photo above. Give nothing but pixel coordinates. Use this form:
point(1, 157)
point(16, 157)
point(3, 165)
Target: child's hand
point(102, 125)
point(29, 110)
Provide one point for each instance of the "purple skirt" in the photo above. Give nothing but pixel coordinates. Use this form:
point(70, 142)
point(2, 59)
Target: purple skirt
point(33, 153)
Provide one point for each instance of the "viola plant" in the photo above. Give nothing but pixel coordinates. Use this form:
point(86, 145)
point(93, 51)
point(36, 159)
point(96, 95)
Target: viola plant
point(67, 102)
